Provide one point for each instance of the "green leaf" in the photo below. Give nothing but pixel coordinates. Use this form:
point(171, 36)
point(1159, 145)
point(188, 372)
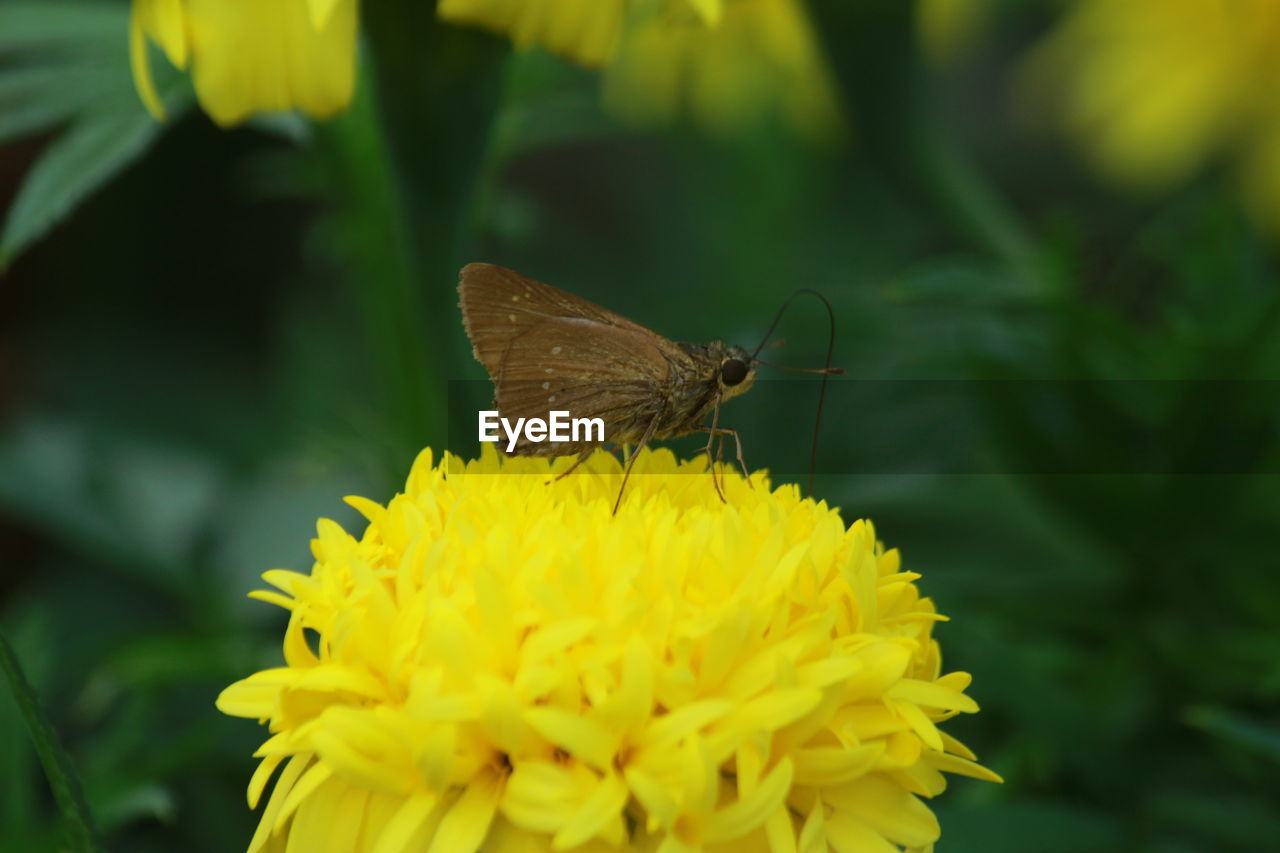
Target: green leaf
point(40, 97)
point(58, 24)
point(28, 626)
point(60, 60)
point(76, 164)
point(139, 802)
point(57, 764)
point(67, 65)
point(1264, 740)
point(142, 508)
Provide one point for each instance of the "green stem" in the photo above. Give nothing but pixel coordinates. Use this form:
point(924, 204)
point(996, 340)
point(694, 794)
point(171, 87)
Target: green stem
point(383, 279)
point(898, 125)
point(57, 764)
point(436, 91)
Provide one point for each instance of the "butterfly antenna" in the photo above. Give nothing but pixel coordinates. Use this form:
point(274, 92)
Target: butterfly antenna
point(826, 370)
point(830, 371)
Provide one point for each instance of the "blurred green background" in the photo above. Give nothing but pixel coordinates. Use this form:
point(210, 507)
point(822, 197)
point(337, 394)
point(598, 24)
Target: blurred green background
point(226, 332)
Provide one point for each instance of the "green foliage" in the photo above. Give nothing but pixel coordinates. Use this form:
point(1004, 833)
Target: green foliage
point(1261, 739)
point(1061, 402)
point(57, 766)
point(64, 68)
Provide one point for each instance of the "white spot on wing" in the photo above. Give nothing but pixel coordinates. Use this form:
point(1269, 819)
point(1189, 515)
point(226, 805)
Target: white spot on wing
point(511, 317)
point(546, 386)
point(556, 350)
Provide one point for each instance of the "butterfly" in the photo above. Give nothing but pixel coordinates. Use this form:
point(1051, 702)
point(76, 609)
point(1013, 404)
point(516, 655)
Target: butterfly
point(547, 350)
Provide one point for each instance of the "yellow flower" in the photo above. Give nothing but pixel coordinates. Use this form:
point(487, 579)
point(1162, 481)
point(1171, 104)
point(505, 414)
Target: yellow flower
point(947, 26)
point(500, 663)
point(249, 56)
point(585, 31)
point(1154, 88)
point(727, 64)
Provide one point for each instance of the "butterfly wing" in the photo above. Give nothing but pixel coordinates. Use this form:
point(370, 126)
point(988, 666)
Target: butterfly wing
point(547, 350)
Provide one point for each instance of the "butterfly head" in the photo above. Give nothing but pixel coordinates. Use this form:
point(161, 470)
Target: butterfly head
point(737, 370)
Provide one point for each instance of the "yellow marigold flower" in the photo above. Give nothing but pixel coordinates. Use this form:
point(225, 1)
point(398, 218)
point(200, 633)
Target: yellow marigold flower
point(727, 64)
point(1153, 88)
point(249, 56)
point(500, 663)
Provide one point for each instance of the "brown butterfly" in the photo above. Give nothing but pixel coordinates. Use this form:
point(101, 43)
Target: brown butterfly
point(547, 350)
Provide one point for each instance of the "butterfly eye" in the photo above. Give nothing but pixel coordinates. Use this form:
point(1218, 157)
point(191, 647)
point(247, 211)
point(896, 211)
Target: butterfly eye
point(733, 371)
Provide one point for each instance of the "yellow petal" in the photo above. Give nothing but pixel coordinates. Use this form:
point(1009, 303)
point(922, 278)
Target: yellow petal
point(539, 796)
point(933, 695)
point(408, 820)
point(780, 832)
point(709, 10)
point(582, 738)
point(261, 777)
point(669, 728)
point(847, 835)
point(736, 820)
point(363, 749)
point(604, 805)
point(919, 722)
point(320, 11)
point(257, 696)
point(331, 819)
point(250, 56)
point(813, 834)
point(585, 31)
point(653, 795)
point(887, 809)
point(632, 704)
point(825, 766)
point(316, 775)
point(963, 767)
point(465, 826)
point(773, 710)
point(142, 67)
point(169, 28)
point(267, 595)
point(371, 510)
point(295, 768)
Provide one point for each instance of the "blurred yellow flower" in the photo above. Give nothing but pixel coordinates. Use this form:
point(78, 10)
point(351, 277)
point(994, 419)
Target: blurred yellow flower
point(585, 31)
point(726, 64)
point(500, 663)
point(947, 26)
point(249, 56)
point(1154, 88)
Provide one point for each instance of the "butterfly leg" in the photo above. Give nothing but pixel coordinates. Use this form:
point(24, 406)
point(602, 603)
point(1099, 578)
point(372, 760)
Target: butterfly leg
point(582, 457)
point(711, 437)
point(711, 468)
point(737, 440)
point(631, 458)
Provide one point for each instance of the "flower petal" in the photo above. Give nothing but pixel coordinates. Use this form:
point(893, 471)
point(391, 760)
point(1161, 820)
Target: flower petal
point(467, 823)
